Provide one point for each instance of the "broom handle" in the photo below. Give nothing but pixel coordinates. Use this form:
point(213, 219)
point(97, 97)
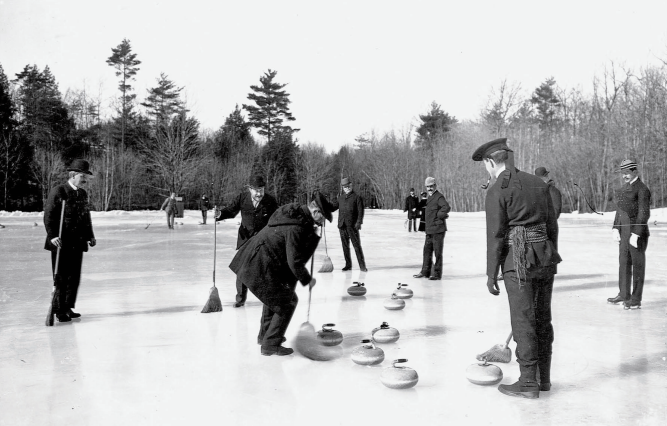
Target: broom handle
point(310, 289)
point(60, 235)
point(508, 339)
point(324, 231)
point(215, 239)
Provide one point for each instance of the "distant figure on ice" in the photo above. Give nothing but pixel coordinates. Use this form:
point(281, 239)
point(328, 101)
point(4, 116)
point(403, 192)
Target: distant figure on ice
point(256, 208)
point(204, 206)
point(631, 232)
point(522, 240)
point(350, 219)
point(169, 207)
point(272, 262)
point(435, 225)
point(422, 211)
point(412, 207)
point(556, 197)
point(77, 235)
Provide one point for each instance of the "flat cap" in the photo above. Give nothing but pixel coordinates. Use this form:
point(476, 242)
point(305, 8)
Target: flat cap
point(628, 164)
point(489, 148)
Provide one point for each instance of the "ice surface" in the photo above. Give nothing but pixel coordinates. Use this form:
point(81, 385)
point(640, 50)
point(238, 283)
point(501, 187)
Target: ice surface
point(143, 354)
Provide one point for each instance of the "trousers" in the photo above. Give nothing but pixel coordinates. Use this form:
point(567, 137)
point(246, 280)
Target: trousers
point(631, 270)
point(171, 215)
point(347, 234)
point(68, 279)
point(241, 291)
point(274, 322)
point(433, 244)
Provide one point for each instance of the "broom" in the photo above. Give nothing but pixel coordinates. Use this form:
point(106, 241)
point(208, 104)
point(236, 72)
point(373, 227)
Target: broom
point(213, 304)
point(49, 315)
point(327, 266)
point(498, 353)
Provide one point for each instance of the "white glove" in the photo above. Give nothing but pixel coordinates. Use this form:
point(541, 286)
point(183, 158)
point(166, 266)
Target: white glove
point(616, 235)
point(633, 240)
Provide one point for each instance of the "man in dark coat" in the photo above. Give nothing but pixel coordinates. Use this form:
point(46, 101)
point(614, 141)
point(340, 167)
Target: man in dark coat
point(556, 197)
point(256, 208)
point(522, 240)
point(436, 212)
point(631, 232)
point(77, 234)
point(412, 207)
point(204, 206)
point(422, 211)
point(350, 219)
point(272, 262)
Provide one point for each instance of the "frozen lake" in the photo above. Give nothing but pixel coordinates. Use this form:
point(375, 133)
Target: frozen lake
point(143, 354)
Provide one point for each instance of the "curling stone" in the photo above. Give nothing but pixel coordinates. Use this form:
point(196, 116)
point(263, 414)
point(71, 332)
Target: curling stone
point(403, 292)
point(308, 345)
point(367, 354)
point(385, 334)
point(398, 377)
point(394, 303)
point(357, 289)
point(328, 336)
point(484, 374)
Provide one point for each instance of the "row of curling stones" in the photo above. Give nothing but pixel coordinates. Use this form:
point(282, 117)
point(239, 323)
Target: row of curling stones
point(394, 377)
point(397, 302)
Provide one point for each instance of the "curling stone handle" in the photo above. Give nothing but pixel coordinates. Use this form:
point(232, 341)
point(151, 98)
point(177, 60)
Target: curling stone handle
point(358, 283)
point(366, 341)
point(384, 325)
point(396, 361)
point(327, 326)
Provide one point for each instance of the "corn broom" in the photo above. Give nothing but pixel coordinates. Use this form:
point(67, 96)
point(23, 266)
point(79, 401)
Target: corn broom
point(498, 353)
point(327, 265)
point(214, 304)
point(49, 315)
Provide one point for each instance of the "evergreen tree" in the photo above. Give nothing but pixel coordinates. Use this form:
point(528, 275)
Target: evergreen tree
point(164, 101)
point(126, 64)
point(14, 154)
point(272, 107)
point(433, 125)
point(278, 162)
point(234, 136)
point(547, 104)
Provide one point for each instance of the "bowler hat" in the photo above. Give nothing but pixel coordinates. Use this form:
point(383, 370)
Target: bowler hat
point(412, 190)
point(489, 148)
point(256, 181)
point(325, 206)
point(80, 166)
point(628, 164)
point(344, 182)
point(541, 172)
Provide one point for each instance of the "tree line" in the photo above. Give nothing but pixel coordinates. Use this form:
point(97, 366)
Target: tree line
point(141, 155)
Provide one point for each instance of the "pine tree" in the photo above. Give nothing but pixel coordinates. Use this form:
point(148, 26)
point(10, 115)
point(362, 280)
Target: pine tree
point(164, 101)
point(126, 64)
point(233, 136)
point(272, 107)
point(434, 124)
point(547, 103)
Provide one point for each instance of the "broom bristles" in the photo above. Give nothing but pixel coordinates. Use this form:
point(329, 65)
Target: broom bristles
point(214, 304)
point(327, 265)
point(498, 353)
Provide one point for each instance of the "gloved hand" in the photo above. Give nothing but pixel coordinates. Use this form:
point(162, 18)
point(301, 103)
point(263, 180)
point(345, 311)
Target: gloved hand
point(357, 227)
point(492, 285)
point(216, 213)
point(92, 242)
point(56, 241)
point(633, 240)
point(312, 283)
point(616, 235)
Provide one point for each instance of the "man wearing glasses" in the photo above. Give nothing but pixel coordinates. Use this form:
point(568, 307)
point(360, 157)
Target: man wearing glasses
point(437, 209)
point(256, 208)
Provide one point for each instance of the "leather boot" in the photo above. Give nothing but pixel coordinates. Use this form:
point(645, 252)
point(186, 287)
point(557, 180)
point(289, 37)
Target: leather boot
point(526, 387)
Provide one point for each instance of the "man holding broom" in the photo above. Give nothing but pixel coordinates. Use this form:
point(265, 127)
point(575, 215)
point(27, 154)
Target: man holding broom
point(272, 262)
point(522, 238)
point(77, 234)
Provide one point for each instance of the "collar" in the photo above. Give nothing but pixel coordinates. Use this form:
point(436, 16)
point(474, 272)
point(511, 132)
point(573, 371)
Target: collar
point(72, 185)
point(501, 168)
point(634, 180)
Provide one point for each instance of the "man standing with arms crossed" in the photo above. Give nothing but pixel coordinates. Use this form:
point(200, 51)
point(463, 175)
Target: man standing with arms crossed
point(522, 240)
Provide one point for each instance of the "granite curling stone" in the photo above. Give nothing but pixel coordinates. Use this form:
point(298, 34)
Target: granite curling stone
point(403, 292)
point(367, 354)
point(328, 336)
point(484, 374)
point(357, 289)
point(394, 303)
point(385, 334)
point(399, 377)
point(308, 345)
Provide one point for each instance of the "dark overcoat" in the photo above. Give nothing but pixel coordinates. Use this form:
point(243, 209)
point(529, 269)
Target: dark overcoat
point(634, 209)
point(412, 202)
point(351, 210)
point(556, 197)
point(204, 204)
point(253, 219)
point(437, 209)
point(271, 262)
point(518, 198)
point(77, 226)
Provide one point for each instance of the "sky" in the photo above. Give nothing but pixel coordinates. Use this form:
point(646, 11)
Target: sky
point(351, 67)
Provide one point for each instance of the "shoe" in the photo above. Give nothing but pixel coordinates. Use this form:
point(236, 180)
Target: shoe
point(434, 278)
point(276, 350)
point(419, 275)
point(63, 318)
point(363, 269)
point(545, 387)
point(73, 314)
point(347, 268)
point(521, 390)
point(259, 341)
point(615, 300)
point(632, 305)
point(238, 304)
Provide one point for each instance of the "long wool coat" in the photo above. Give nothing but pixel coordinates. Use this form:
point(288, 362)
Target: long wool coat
point(272, 261)
point(77, 226)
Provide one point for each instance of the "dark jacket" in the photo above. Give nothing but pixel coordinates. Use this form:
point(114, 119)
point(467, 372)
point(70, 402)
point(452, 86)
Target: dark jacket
point(204, 204)
point(351, 210)
point(437, 209)
point(412, 202)
point(556, 197)
point(634, 209)
point(169, 205)
point(252, 219)
point(422, 214)
point(518, 198)
point(273, 260)
point(77, 226)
